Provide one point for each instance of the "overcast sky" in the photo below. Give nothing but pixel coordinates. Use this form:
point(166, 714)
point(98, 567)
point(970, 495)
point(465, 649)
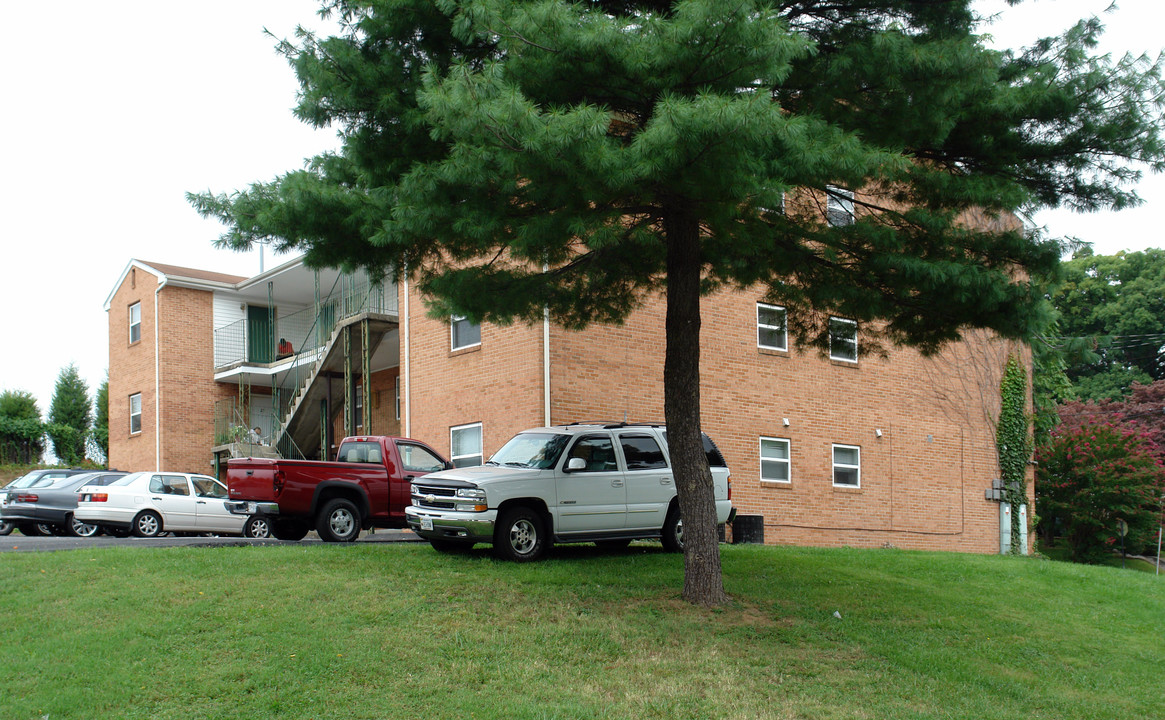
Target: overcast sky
point(113, 112)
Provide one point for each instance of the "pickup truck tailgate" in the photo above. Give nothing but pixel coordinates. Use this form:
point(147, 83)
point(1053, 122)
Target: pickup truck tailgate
point(251, 479)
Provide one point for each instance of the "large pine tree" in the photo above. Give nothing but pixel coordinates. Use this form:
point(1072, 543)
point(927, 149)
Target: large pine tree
point(512, 156)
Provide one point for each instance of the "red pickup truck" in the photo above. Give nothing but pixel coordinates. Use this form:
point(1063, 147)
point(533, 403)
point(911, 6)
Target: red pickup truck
point(368, 486)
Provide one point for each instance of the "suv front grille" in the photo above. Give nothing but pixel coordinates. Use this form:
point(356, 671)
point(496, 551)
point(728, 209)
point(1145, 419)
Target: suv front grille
point(434, 497)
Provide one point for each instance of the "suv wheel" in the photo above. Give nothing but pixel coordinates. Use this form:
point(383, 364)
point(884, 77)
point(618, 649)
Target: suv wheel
point(673, 531)
point(6, 528)
point(339, 521)
point(520, 536)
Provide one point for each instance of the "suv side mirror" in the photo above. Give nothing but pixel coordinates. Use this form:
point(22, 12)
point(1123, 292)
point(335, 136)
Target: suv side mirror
point(576, 464)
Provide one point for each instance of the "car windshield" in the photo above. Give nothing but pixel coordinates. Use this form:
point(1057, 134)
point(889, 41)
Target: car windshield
point(531, 450)
point(33, 479)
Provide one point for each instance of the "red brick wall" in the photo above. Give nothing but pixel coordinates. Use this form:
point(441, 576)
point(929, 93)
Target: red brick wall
point(188, 390)
point(131, 370)
point(922, 481)
point(498, 383)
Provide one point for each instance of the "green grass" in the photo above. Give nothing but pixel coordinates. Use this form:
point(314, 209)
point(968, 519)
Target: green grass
point(399, 631)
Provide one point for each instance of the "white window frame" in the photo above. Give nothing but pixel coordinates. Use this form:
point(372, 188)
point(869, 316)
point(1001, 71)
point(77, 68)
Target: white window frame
point(135, 306)
point(481, 444)
point(138, 414)
point(839, 203)
point(835, 465)
point(453, 320)
point(783, 330)
point(787, 460)
point(842, 358)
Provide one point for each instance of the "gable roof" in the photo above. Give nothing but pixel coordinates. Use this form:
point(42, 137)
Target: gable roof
point(177, 275)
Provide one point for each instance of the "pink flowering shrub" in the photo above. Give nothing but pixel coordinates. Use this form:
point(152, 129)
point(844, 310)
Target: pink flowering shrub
point(1092, 474)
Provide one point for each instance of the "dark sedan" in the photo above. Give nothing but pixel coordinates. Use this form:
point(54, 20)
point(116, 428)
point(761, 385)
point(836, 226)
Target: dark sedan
point(39, 507)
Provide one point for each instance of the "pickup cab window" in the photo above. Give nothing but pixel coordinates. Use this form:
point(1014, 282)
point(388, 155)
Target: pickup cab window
point(360, 451)
point(642, 452)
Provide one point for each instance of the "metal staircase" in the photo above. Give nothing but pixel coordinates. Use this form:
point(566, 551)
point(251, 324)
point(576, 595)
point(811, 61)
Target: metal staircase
point(319, 390)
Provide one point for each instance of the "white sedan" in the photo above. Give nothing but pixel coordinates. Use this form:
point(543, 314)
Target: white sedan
point(149, 503)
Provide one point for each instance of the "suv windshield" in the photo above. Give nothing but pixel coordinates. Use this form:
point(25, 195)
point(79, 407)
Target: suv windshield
point(532, 450)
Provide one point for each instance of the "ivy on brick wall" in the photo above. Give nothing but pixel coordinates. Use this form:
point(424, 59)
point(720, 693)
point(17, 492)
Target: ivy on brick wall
point(1014, 442)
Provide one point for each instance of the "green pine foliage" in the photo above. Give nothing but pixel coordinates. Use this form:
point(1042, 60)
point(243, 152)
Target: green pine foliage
point(101, 418)
point(69, 416)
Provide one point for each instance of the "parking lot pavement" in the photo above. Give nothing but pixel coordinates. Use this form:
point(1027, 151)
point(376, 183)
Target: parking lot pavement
point(20, 543)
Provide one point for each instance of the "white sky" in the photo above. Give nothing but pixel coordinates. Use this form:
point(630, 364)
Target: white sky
point(112, 113)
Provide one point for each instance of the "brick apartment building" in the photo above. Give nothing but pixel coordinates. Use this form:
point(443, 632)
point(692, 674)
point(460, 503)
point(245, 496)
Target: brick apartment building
point(853, 449)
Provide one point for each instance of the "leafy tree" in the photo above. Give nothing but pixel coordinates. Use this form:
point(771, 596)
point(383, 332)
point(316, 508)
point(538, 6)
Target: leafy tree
point(101, 418)
point(69, 416)
point(1093, 474)
point(21, 429)
point(513, 157)
point(1118, 303)
point(1143, 411)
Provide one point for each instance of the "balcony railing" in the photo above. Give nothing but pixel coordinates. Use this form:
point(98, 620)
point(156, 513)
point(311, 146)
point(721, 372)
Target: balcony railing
point(304, 331)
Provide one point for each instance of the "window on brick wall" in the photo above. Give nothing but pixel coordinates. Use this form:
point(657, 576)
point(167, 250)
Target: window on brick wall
point(135, 413)
point(847, 466)
point(839, 206)
point(843, 339)
point(775, 464)
point(359, 402)
point(465, 445)
point(398, 397)
point(135, 323)
point(464, 333)
point(771, 329)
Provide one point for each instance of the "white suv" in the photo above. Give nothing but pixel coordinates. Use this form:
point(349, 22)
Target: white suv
point(609, 484)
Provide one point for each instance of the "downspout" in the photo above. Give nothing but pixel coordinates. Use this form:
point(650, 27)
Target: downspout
point(407, 385)
point(157, 382)
point(546, 362)
point(546, 357)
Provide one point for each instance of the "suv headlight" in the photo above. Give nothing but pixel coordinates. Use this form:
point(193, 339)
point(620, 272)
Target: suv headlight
point(471, 500)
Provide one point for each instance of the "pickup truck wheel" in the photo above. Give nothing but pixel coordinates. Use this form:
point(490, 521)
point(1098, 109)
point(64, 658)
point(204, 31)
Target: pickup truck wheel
point(339, 521)
point(147, 524)
point(6, 528)
point(257, 526)
point(289, 529)
point(673, 531)
point(520, 536)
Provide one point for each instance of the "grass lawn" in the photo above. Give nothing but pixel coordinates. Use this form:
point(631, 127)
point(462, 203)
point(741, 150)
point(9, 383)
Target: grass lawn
point(400, 631)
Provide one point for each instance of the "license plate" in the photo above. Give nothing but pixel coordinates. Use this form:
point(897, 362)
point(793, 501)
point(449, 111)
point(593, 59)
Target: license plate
point(426, 523)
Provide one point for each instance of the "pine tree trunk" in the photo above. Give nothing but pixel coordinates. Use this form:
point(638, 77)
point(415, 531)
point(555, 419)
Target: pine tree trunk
point(703, 584)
